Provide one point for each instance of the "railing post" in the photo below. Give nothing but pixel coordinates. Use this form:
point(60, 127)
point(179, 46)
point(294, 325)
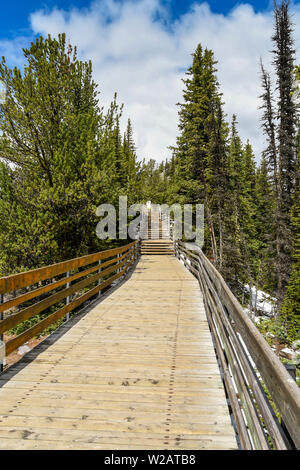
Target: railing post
point(292, 371)
point(185, 259)
point(128, 261)
point(68, 298)
point(1, 336)
point(100, 279)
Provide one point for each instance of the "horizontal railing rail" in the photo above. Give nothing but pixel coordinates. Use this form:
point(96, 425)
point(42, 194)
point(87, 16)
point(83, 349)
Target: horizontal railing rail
point(24, 295)
point(253, 375)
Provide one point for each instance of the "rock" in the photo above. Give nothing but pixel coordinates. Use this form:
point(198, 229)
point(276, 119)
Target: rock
point(23, 349)
point(296, 344)
point(296, 359)
point(287, 353)
point(270, 335)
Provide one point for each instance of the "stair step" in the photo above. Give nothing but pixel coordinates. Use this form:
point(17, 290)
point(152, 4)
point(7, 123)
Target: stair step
point(157, 253)
point(169, 248)
point(153, 247)
point(157, 245)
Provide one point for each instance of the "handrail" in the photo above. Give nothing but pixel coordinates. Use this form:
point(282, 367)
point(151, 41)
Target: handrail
point(89, 269)
point(253, 374)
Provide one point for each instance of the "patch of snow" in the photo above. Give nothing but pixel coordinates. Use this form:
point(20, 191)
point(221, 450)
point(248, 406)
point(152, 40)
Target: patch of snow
point(287, 351)
point(264, 302)
point(257, 319)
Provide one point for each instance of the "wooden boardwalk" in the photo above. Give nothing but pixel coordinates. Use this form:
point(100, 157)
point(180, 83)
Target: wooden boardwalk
point(138, 371)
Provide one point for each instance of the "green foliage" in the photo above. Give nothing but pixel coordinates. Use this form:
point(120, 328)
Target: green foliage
point(25, 325)
point(291, 306)
point(61, 157)
point(280, 128)
point(275, 327)
point(248, 232)
point(213, 167)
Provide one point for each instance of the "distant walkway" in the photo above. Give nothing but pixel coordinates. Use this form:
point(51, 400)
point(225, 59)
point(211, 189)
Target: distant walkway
point(137, 372)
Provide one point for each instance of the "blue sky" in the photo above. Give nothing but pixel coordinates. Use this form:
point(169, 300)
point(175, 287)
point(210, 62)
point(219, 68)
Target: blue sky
point(14, 18)
point(141, 48)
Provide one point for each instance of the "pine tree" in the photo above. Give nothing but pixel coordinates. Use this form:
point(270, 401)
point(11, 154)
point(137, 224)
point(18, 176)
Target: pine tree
point(40, 100)
point(291, 305)
point(217, 176)
point(201, 99)
point(234, 260)
point(279, 126)
point(131, 169)
point(264, 210)
point(61, 157)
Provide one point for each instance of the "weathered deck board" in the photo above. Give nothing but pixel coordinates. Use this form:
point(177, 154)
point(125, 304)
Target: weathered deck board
point(136, 372)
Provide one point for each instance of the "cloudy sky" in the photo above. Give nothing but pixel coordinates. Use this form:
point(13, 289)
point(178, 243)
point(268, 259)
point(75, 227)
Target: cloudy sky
point(142, 48)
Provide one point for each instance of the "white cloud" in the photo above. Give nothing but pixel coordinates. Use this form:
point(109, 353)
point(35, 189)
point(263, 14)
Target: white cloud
point(12, 50)
point(139, 52)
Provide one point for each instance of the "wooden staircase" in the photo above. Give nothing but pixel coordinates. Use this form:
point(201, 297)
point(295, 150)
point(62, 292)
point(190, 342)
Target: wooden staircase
point(157, 247)
point(158, 241)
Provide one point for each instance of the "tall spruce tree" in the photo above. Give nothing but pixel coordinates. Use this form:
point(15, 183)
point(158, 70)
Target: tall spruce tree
point(217, 171)
point(265, 206)
point(291, 304)
point(201, 100)
point(279, 126)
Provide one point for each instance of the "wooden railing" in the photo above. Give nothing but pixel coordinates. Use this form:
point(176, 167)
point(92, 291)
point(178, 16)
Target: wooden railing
point(253, 375)
point(33, 290)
